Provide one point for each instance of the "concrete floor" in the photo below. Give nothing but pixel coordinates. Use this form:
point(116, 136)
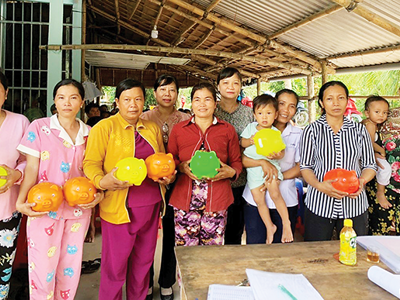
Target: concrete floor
point(89, 284)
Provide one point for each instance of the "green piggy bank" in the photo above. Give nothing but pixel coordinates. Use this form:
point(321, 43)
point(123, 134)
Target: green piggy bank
point(204, 164)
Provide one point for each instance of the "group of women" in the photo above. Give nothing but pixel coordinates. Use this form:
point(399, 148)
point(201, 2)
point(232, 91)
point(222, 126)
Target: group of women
point(195, 211)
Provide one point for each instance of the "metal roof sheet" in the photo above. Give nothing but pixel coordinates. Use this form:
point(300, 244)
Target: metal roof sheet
point(339, 32)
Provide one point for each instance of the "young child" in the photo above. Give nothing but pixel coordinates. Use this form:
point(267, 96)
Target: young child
point(265, 108)
point(377, 111)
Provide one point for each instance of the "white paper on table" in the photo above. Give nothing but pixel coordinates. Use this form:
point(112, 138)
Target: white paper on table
point(229, 292)
point(385, 280)
point(265, 286)
point(388, 247)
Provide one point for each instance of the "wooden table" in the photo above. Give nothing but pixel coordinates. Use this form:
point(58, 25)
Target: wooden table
point(204, 265)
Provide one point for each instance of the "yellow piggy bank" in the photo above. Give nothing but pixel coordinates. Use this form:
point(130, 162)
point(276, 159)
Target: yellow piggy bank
point(132, 170)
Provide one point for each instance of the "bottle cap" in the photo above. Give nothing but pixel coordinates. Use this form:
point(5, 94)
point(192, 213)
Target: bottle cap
point(348, 222)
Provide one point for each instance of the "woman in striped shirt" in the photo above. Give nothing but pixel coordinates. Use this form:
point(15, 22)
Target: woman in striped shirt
point(329, 143)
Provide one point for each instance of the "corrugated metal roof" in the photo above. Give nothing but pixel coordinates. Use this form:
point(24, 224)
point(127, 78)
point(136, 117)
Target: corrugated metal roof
point(339, 32)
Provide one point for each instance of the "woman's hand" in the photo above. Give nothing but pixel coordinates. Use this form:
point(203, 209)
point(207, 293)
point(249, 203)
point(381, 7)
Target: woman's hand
point(98, 197)
point(11, 177)
point(167, 180)
point(379, 155)
point(362, 183)
point(270, 171)
point(111, 183)
point(224, 172)
point(277, 156)
point(26, 209)
point(327, 188)
point(185, 169)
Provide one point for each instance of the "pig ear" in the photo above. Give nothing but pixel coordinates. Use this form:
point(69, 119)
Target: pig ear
point(170, 155)
point(55, 187)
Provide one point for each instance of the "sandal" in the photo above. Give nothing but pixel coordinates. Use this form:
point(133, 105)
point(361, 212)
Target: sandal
point(90, 266)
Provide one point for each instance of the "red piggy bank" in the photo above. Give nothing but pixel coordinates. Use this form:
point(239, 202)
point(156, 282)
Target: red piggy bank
point(160, 165)
point(47, 196)
point(347, 181)
point(79, 190)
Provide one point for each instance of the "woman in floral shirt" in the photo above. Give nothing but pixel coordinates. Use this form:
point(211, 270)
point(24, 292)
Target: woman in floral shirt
point(382, 221)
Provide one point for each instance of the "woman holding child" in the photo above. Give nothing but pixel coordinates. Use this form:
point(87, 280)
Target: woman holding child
point(289, 165)
point(335, 142)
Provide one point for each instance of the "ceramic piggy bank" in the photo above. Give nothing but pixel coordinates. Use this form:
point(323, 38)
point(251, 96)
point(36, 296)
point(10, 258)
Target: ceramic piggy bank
point(3, 172)
point(132, 170)
point(268, 141)
point(79, 190)
point(347, 181)
point(160, 165)
point(204, 164)
point(47, 196)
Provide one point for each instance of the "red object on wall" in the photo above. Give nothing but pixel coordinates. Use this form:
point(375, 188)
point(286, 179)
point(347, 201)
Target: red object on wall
point(347, 181)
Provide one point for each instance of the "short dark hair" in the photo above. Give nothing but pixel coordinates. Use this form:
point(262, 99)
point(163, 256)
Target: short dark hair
point(166, 79)
point(3, 80)
point(264, 100)
point(374, 98)
point(327, 85)
point(72, 82)
point(204, 85)
point(288, 91)
point(90, 106)
point(228, 72)
point(93, 121)
point(128, 84)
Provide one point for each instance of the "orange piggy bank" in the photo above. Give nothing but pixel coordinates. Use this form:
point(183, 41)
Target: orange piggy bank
point(47, 196)
point(79, 190)
point(160, 165)
point(347, 181)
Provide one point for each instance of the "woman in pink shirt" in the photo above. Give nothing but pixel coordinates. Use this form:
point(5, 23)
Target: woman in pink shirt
point(54, 149)
point(12, 128)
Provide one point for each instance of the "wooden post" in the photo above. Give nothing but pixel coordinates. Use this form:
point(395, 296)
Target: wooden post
point(324, 73)
point(258, 86)
point(311, 101)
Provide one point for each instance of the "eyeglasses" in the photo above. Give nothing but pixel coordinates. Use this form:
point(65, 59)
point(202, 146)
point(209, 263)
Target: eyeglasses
point(165, 130)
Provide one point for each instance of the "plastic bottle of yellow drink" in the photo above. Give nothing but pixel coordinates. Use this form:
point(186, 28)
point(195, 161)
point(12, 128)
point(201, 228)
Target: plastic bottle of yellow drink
point(348, 244)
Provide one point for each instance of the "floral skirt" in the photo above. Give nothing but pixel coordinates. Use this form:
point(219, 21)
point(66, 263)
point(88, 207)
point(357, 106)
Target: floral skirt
point(380, 219)
point(198, 227)
point(9, 229)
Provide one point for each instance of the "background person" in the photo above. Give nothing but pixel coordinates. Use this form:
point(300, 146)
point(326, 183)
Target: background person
point(200, 205)
point(165, 115)
point(129, 213)
point(92, 110)
point(334, 142)
point(230, 110)
point(12, 129)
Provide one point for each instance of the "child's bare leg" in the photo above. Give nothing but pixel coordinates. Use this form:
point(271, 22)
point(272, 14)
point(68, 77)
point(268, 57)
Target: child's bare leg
point(263, 210)
point(92, 228)
point(380, 195)
point(274, 192)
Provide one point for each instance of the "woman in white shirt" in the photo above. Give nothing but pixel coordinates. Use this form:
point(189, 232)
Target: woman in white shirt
point(255, 228)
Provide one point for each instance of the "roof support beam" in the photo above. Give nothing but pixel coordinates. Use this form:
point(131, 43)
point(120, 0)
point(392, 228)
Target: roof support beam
point(184, 51)
point(134, 9)
point(316, 16)
point(250, 34)
point(354, 7)
point(117, 14)
point(371, 51)
point(212, 5)
point(315, 64)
